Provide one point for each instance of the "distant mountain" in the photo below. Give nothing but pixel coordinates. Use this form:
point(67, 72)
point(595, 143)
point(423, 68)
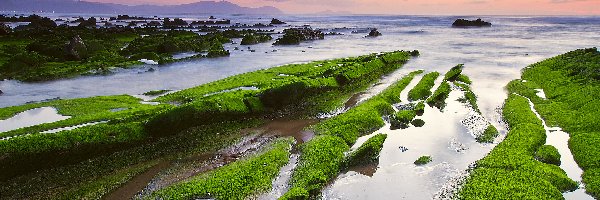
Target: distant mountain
point(57, 6)
point(216, 7)
point(73, 6)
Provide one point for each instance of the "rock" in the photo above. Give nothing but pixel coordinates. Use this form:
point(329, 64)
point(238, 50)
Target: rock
point(374, 33)
point(1, 92)
point(294, 36)
point(153, 24)
point(76, 48)
point(469, 23)
point(5, 29)
point(276, 21)
point(212, 17)
point(403, 148)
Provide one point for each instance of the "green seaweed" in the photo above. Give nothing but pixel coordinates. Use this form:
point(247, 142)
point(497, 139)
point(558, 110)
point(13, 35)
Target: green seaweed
point(423, 160)
point(488, 135)
point(438, 99)
point(368, 152)
point(237, 180)
point(402, 119)
point(510, 169)
point(548, 154)
point(423, 89)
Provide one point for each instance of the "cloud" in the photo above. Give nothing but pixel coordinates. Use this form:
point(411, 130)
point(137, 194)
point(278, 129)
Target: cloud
point(567, 1)
point(319, 2)
point(477, 2)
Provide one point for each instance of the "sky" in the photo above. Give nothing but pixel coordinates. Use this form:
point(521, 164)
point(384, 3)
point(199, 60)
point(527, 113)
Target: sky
point(412, 7)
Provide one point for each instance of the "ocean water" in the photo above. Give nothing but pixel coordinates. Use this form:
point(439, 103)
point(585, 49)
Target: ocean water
point(492, 56)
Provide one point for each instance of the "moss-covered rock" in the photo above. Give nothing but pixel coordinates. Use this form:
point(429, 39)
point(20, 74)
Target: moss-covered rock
point(423, 160)
point(294, 36)
point(548, 154)
point(368, 152)
point(488, 135)
point(402, 119)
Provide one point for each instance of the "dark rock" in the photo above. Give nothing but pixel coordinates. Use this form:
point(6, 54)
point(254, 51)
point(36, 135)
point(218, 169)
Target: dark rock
point(1, 92)
point(294, 36)
point(215, 22)
point(469, 23)
point(276, 21)
point(76, 48)
point(153, 24)
point(374, 33)
point(212, 17)
point(403, 148)
point(5, 29)
point(91, 22)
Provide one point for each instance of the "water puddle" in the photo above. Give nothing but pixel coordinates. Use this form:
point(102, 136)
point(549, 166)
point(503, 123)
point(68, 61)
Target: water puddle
point(281, 183)
point(234, 89)
point(412, 84)
point(182, 169)
point(137, 183)
point(73, 127)
point(475, 123)
point(183, 55)
point(282, 127)
point(540, 93)
point(31, 117)
point(450, 144)
point(560, 139)
point(149, 62)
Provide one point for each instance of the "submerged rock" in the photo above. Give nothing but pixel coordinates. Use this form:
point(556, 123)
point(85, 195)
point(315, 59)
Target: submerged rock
point(374, 33)
point(76, 48)
point(470, 23)
point(1, 92)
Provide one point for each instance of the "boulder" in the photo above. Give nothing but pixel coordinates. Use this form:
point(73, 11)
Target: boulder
point(153, 24)
point(276, 21)
point(374, 33)
point(294, 36)
point(5, 29)
point(76, 48)
point(471, 23)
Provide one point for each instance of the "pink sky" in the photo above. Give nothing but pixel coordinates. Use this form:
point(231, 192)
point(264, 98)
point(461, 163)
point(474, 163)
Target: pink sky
point(418, 7)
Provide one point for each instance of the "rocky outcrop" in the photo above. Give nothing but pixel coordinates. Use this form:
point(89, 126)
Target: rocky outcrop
point(76, 48)
point(276, 21)
point(293, 36)
point(4, 30)
point(374, 33)
point(471, 23)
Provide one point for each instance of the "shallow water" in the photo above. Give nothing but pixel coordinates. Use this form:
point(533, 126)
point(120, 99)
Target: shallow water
point(31, 118)
point(559, 139)
point(281, 183)
point(450, 144)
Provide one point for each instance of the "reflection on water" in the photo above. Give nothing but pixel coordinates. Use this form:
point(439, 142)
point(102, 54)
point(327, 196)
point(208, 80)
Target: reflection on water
point(450, 144)
point(31, 118)
point(73, 127)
